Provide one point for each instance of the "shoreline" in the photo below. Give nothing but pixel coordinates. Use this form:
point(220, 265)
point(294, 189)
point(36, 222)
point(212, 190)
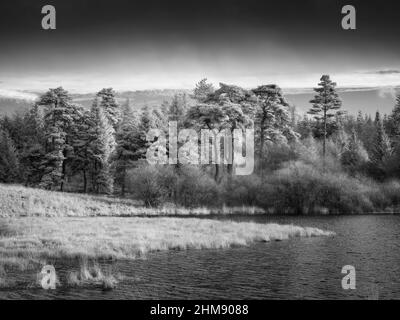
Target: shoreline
point(27, 242)
point(19, 201)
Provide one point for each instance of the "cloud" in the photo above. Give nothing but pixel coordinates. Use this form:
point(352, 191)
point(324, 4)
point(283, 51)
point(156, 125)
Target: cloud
point(383, 72)
point(15, 94)
point(388, 92)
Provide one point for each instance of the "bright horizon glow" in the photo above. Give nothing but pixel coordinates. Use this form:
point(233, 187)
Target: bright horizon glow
point(173, 45)
point(76, 84)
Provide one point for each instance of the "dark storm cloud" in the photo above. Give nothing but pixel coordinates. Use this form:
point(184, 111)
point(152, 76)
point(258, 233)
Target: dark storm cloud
point(300, 21)
point(187, 17)
point(159, 40)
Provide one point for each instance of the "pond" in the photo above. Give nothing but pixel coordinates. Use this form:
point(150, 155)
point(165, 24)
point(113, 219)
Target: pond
point(306, 268)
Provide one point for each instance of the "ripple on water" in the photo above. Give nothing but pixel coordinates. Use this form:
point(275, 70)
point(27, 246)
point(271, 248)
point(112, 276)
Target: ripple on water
point(307, 268)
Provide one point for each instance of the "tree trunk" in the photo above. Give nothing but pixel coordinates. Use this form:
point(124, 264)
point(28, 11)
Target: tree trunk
point(324, 143)
point(216, 175)
point(84, 181)
point(232, 155)
point(262, 141)
point(123, 183)
point(64, 166)
point(94, 174)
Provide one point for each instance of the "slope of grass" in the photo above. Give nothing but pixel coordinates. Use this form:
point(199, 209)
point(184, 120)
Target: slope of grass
point(40, 227)
point(19, 201)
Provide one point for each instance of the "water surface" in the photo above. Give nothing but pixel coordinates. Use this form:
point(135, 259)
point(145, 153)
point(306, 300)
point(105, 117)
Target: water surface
point(306, 268)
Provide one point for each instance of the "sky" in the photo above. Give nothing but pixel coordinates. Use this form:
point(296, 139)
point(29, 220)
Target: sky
point(157, 44)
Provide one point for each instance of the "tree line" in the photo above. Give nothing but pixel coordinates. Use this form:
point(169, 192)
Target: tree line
point(59, 145)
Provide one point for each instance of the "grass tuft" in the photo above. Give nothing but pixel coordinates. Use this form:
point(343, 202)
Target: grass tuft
point(91, 275)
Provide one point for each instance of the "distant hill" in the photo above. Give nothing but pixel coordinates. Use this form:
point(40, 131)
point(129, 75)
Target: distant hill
point(9, 106)
point(17, 102)
point(137, 99)
point(368, 100)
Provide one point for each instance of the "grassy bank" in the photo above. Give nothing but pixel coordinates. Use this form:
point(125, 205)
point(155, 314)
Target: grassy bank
point(128, 238)
point(29, 241)
point(19, 201)
point(39, 227)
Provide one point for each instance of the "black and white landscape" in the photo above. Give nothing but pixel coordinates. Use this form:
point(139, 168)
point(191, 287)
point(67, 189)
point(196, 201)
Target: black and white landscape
point(199, 150)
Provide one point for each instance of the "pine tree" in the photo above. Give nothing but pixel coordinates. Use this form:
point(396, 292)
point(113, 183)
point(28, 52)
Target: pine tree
point(81, 143)
point(177, 109)
point(202, 91)
point(228, 108)
point(32, 164)
point(159, 119)
point(294, 117)
point(354, 154)
point(340, 139)
point(382, 148)
point(360, 124)
point(109, 105)
point(9, 163)
point(393, 126)
point(15, 128)
point(273, 120)
point(326, 101)
point(146, 122)
point(367, 133)
point(58, 121)
point(31, 152)
point(308, 149)
point(393, 130)
point(304, 127)
point(102, 144)
point(272, 117)
point(207, 116)
point(34, 125)
point(234, 118)
point(126, 151)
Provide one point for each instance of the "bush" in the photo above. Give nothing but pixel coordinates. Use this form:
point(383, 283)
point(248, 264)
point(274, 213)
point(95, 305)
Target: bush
point(302, 189)
point(147, 183)
point(188, 186)
point(298, 188)
point(275, 155)
point(195, 188)
point(243, 191)
point(391, 191)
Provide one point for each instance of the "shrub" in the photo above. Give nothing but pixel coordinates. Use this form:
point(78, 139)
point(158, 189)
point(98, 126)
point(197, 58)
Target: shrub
point(188, 186)
point(391, 191)
point(9, 163)
point(146, 183)
point(243, 191)
point(354, 156)
point(300, 189)
point(195, 188)
point(276, 154)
